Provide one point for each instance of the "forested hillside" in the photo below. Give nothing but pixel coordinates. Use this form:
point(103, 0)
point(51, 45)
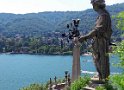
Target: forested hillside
point(38, 23)
point(40, 33)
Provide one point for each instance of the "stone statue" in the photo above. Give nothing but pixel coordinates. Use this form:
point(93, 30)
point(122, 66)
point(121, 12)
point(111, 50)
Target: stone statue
point(101, 35)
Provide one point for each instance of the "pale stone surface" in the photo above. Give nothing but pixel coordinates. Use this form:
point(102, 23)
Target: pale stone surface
point(88, 88)
point(76, 60)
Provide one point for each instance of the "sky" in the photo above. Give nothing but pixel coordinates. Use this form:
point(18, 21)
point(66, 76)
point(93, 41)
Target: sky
point(34, 6)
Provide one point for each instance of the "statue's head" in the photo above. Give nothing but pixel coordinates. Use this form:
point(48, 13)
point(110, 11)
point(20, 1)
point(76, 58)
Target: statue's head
point(98, 4)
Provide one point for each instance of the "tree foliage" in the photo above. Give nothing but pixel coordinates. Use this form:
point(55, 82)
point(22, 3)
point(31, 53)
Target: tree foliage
point(120, 48)
point(120, 20)
point(118, 80)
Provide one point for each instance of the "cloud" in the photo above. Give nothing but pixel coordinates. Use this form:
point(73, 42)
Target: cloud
point(29, 6)
point(111, 2)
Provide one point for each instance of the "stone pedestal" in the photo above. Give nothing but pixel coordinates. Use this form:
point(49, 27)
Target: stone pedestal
point(76, 60)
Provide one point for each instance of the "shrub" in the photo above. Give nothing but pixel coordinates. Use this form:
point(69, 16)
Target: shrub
point(35, 87)
point(100, 88)
point(80, 83)
point(118, 81)
point(107, 86)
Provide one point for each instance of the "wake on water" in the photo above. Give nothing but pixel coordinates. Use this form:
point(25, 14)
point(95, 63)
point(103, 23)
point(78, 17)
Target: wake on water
point(95, 73)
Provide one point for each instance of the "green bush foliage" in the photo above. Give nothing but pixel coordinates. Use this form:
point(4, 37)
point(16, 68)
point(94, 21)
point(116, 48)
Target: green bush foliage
point(120, 52)
point(80, 83)
point(100, 88)
point(35, 87)
point(107, 86)
point(118, 81)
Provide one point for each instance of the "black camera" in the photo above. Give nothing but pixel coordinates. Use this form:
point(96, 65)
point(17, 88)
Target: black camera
point(73, 29)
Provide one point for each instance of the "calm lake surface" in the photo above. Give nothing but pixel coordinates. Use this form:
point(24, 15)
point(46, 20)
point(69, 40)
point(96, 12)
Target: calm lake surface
point(17, 71)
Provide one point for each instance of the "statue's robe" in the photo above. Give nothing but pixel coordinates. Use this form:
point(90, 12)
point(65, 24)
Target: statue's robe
point(101, 35)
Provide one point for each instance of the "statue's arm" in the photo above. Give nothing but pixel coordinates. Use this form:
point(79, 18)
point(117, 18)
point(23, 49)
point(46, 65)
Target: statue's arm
point(89, 35)
point(99, 28)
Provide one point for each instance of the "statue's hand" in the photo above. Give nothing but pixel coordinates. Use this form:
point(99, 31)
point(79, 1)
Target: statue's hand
point(81, 39)
point(76, 41)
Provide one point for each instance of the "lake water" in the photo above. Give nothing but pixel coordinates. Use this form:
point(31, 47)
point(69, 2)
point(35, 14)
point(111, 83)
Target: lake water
point(17, 71)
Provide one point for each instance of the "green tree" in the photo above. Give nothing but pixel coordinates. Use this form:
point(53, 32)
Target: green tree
point(120, 48)
point(120, 20)
point(118, 80)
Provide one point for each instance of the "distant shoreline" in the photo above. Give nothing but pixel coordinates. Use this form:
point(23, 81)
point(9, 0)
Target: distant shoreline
point(62, 54)
point(11, 53)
